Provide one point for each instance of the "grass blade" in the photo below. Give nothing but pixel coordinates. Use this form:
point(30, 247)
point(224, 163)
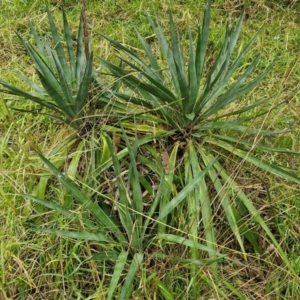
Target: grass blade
point(118, 269)
point(131, 275)
point(249, 145)
point(270, 168)
point(188, 243)
point(253, 211)
point(225, 202)
point(163, 289)
point(77, 235)
point(51, 205)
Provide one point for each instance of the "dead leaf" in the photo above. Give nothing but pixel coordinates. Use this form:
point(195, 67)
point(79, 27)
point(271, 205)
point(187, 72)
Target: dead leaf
point(166, 161)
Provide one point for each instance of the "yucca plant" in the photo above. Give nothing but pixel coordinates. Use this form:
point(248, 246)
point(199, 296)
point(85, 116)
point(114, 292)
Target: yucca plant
point(125, 226)
point(186, 101)
point(65, 75)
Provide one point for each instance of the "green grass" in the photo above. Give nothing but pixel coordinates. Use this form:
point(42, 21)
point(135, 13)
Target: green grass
point(37, 265)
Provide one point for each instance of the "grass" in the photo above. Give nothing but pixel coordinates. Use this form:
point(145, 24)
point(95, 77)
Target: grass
point(36, 265)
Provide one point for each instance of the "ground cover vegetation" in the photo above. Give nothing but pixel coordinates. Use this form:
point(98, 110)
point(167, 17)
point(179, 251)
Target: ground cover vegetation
point(146, 155)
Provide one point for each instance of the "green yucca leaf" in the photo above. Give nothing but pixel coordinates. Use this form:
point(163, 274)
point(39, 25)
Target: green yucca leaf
point(156, 82)
point(65, 79)
point(82, 96)
point(52, 92)
point(135, 100)
point(73, 166)
point(161, 192)
point(37, 88)
point(179, 66)
point(125, 202)
point(244, 109)
point(193, 80)
point(218, 68)
point(215, 125)
point(183, 194)
point(198, 204)
point(105, 154)
point(224, 80)
point(235, 126)
point(153, 62)
point(200, 199)
point(80, 55)
point(236, 92)
point(52, 205)
point(135, 84)
point(135, 58)
point(236, 32)
point(121, 154)
point(176, 46)
point(15, 91)
point(94, 209)
point(202, 41)
point(195, 102)
point(48, 52)
point(167, 53)
point(40, 43)
point(45, 69)
point(137, 199)
point(63, 82)
point(58, 47)
point(69, 44)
